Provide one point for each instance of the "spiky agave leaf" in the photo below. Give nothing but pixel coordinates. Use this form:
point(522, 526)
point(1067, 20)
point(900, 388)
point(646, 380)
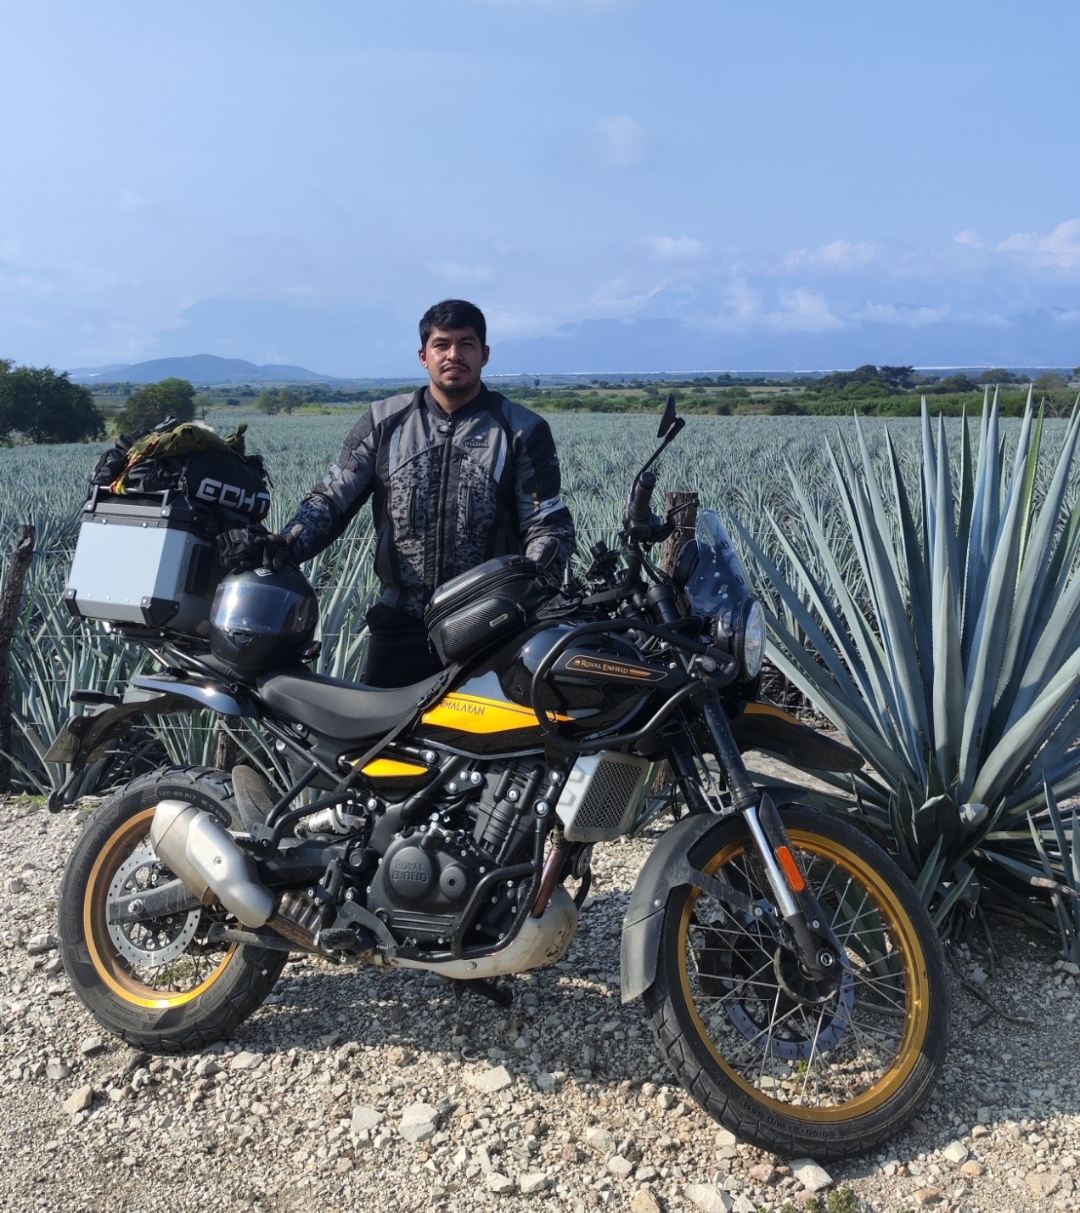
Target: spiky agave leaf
point(951, 658)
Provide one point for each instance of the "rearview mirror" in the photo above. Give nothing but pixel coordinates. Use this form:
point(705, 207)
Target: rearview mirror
point(668, 419)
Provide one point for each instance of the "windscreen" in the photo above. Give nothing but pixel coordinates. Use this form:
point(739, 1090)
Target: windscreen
point(719, 581)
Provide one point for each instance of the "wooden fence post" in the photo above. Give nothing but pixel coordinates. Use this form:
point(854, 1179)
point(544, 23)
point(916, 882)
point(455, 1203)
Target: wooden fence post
point(10, 600)
point(686, 523)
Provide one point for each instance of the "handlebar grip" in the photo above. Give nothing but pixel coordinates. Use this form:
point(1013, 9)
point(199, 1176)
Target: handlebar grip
point(638, 509)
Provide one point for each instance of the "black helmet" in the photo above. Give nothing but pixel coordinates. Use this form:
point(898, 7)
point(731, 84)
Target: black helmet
point(261, 619)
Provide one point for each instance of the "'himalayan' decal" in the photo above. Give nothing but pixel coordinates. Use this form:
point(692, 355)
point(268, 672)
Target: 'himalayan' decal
point(474, 714)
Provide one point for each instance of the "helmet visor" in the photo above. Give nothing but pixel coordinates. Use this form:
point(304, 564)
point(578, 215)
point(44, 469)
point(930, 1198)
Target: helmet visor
point(264, 610)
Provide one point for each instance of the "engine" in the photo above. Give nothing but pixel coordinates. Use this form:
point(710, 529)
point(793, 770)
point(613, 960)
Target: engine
point(428, 872)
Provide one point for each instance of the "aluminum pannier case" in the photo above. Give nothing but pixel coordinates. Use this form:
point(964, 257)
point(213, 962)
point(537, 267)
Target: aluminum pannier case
point(146, 561)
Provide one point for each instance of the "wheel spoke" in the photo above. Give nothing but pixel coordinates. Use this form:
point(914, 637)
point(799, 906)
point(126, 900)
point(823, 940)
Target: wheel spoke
point(807, 1053)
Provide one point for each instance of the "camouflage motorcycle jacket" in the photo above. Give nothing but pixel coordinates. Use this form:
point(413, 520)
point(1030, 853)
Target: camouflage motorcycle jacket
point(448, 491)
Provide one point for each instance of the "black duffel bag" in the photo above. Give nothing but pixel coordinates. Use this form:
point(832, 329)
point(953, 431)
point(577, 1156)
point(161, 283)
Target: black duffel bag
point(484, 605)
point(227, 487)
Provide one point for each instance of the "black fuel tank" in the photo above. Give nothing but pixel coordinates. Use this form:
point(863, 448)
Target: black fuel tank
point(490, 710)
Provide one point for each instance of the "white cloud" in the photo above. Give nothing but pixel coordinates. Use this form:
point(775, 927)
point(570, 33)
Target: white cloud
point(902, 315)
point(1058, 250)
point(839, 255)
point(803, 311)
point(968, 238)
point(621, 141)
point(672, 248)
point(454, 271)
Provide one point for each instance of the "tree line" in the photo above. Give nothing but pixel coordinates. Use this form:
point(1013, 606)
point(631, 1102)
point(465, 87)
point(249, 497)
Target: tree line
point(38, 405)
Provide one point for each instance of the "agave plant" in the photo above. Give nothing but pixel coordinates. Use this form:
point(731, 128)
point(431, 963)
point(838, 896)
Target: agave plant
point(938, 627)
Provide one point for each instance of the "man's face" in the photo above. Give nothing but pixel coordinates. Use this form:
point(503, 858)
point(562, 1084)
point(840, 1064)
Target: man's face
point(454, 358)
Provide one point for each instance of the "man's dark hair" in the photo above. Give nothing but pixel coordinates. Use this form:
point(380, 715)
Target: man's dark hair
point(453, 314)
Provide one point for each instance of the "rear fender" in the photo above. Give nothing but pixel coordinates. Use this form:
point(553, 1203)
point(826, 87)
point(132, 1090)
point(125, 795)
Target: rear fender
point(85, 738)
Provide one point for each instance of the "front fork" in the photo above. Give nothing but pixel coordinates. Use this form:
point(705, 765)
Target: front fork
point(813, 941)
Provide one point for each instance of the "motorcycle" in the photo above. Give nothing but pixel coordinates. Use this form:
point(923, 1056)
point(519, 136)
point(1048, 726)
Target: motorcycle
point(789, 969)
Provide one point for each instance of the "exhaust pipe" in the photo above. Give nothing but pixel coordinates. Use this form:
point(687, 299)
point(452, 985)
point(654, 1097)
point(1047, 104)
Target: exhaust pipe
point(201, 852)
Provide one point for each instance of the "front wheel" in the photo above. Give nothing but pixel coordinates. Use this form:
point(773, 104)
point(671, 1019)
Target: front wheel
point(160, 984)
point(785, 1063)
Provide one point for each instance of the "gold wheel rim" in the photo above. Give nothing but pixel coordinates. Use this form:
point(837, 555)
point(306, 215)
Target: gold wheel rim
point(112, 968)
point(902, 931)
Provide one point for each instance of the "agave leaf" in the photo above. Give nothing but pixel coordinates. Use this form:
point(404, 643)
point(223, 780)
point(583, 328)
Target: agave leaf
point(858, 730)
point(1018, 745)
point(991, 632)
point(918, 580)
point(948, 673)
point(956, 891)
point(859, 696)
point(883, 585)
point(986, 499)
point(871, 659)
point(1038, 562)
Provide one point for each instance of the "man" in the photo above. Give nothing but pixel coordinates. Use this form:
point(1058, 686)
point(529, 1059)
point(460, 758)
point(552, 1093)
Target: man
point(456, 474)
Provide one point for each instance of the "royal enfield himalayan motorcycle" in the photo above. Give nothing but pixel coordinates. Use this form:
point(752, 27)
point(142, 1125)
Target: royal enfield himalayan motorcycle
point(789, 969)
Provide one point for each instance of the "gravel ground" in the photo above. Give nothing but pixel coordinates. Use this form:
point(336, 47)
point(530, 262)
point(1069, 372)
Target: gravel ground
point(361, 1090)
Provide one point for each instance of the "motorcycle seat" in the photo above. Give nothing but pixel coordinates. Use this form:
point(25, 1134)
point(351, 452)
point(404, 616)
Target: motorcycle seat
point(345, 711)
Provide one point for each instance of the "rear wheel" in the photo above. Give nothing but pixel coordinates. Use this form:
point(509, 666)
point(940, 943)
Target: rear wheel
point(792, 1065)
point(159, 984)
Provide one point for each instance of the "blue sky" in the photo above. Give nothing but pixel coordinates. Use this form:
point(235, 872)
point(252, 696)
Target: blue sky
point(620, 184)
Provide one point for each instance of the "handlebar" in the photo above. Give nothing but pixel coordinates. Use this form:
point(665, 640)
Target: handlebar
point(638, 508)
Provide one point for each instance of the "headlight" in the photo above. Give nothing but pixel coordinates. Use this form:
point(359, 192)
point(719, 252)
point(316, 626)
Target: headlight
point(740, 630)
point(753, 643)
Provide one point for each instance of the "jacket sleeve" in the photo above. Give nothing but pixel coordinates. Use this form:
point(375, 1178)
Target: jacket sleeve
point(544, 522)
point(332, 504)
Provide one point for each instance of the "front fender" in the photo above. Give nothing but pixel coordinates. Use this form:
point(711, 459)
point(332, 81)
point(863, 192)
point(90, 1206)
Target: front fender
point(666, 868)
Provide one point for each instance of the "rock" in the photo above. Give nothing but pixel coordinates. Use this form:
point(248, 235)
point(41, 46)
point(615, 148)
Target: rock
point(92, 1045)
point(246, 1061)
point(419, 1122)
point(490, 1082)
point(501, 1185)
point(621, 1168)
point(762, 1173)
point(78, 1101)
point(666, 1100)
point(709, 1198)
point(643, 1201)
point(812, 1177)
point(37, 945)
point(972, 1167)
point(207, 1067)
point(364, 1119)
point(1040, 1184)
point(925, 1197)
point(955, 1152)
point(725, 1137)
point(15, 884)
point(56, 1070)
point(743, 1204)
point(545, 1082)
point(980, 1130)
point(601, 1140)
point(533, 1181)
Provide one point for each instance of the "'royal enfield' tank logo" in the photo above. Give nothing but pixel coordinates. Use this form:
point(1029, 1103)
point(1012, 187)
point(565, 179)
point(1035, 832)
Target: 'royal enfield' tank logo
point(604, 667)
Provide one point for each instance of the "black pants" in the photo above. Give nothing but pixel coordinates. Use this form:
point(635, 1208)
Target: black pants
point(398, 650)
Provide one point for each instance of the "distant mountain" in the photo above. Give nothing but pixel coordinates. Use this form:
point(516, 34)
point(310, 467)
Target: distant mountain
point(200, 369)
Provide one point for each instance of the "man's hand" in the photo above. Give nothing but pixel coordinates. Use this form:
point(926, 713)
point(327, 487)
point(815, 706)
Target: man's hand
point(251, 547)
